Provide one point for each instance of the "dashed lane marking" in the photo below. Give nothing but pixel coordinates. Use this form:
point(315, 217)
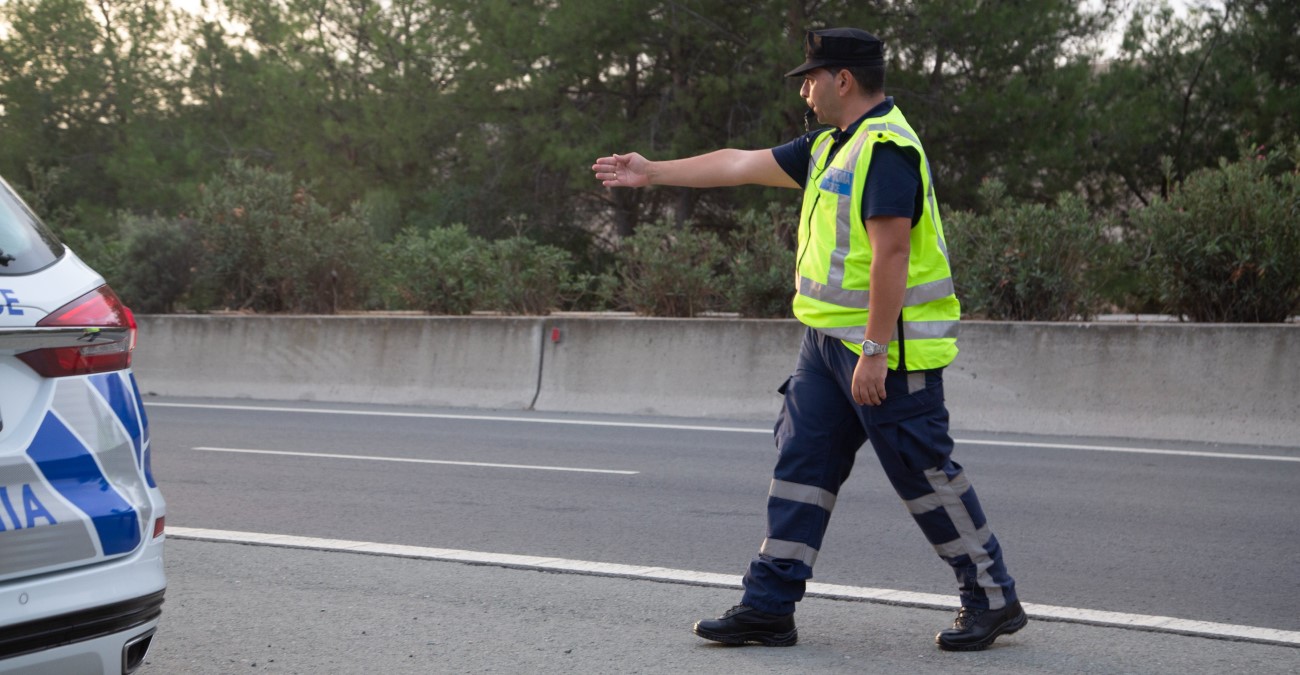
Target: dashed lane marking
point(696, 427)
point(1158, 624)
point(413, 460)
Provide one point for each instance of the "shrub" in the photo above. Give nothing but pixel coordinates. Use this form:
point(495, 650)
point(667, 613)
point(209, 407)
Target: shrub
point(268, 245)
point(668, 271)
point(441, 271)
point(1030, 262)
point(1227, 243)
point(161, 254)
point(760, 270)
point(105, 254)
point(527, 277)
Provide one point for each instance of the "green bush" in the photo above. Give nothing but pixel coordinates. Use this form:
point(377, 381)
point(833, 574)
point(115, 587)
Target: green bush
point(667, 271)
point(441, 271)
point(527, 277)
point(1030, 262)
point(162, 255)
point(268, 245)
point(1226, 243)
point(760, 268)
point(105, 254)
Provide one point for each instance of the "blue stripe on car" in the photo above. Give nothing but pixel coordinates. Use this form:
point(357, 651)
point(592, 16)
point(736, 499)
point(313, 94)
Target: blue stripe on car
point(144, 422)
point(70, 469)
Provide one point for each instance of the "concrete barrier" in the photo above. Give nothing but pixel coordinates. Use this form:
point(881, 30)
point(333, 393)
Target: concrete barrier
point(688, 367)
point(433, 361)
point(1216, 383)
point(1221, 383)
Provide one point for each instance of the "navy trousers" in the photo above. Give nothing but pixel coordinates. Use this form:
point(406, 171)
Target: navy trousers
point(818, 434)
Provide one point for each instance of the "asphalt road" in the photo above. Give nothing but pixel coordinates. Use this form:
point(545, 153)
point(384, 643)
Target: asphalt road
point(1209, 538)
point(263, 609)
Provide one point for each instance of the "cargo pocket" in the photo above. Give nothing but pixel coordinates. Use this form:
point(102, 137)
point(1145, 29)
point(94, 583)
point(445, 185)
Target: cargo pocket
point(920, 442)
point(780, 418)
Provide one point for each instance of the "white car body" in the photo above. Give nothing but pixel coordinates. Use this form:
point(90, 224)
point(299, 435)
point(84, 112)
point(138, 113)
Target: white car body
point(81, 518)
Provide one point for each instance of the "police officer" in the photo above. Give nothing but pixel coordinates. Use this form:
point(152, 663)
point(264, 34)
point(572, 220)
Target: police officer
point(875, 290)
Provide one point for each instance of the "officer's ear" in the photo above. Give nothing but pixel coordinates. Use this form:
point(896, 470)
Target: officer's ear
point(844, 82)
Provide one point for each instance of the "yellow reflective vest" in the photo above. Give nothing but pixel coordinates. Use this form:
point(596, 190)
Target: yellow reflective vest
point(833, 277)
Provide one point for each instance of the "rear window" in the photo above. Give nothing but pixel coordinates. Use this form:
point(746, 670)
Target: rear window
point(26, 245)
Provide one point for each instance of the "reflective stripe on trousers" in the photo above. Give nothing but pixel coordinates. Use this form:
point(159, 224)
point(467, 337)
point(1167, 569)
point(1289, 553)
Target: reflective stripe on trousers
point(818, 435)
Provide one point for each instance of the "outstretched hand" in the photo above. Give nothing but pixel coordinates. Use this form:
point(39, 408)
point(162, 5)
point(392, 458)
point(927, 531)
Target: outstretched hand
point(630, 170)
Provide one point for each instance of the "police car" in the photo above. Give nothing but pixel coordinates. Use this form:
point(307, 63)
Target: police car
point(81, 518)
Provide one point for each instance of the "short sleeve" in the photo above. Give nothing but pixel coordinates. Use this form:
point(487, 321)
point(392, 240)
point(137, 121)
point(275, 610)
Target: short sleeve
point(893, 183)
point(793, 157)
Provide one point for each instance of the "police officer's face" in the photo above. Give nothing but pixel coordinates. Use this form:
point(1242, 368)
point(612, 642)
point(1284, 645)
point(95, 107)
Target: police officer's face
point(818, 91)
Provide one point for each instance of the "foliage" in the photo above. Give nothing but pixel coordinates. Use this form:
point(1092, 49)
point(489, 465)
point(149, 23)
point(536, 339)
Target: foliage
point(1029, 262)
point(87, 86)
point(160, 258)
point(441, 271)
point(1226, 242)
point(761, 264)
point(996, 90)
point(41, 195)
point(529, 278)
point(104, 253)
point(1187, 89)
point(669, 271)
point(488, 113)
point(268, 245)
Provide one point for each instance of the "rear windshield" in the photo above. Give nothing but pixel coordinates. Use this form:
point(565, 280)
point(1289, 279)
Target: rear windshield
point(25, 244)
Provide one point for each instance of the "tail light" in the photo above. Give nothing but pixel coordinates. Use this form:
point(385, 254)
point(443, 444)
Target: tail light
point(106, 344)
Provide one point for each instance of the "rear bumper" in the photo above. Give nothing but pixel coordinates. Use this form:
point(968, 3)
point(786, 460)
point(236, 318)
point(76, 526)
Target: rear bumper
point(121, 652)
point(81, 616)
point(80, 626)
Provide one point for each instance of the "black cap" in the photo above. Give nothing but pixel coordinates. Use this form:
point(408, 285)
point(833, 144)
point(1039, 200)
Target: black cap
point(846, 47)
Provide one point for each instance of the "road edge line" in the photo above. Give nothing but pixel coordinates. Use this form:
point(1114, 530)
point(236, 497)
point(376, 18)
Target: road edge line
point(1106, 619)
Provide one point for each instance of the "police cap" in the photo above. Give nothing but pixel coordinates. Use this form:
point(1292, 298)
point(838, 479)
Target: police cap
point(844, 47)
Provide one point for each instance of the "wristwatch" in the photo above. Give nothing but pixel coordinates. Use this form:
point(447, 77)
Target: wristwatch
point(870, 348)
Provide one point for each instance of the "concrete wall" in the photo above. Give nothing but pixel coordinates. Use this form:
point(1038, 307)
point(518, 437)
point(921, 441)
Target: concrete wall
point(435, 361)
point(1218, 383)
point(692, 368)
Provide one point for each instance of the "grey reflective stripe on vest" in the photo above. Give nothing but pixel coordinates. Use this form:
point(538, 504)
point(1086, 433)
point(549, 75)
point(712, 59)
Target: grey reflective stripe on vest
point(788, 550)
point(844, 220)
point(930, 330)
point(833, 290)
point(929, 193)
point(901, 131)
point(970, 541)
point(916, 330)
point(819, 151)
point(916, 295)
point(804, 494)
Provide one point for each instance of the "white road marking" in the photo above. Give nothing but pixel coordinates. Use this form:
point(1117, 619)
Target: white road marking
point(1158, 624)
point(690, 427)
point(447, 416)
point(1138, 451)
point(417, 461)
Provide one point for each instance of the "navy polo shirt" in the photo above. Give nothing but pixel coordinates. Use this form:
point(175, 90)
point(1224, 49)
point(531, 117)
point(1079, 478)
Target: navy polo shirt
point(893, 180)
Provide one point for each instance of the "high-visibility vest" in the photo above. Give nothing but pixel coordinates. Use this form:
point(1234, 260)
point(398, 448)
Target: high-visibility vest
point(833, 277)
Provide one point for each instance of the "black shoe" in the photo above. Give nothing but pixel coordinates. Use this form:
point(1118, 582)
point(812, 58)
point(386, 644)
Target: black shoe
point(976, 629)
point(743, 624)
